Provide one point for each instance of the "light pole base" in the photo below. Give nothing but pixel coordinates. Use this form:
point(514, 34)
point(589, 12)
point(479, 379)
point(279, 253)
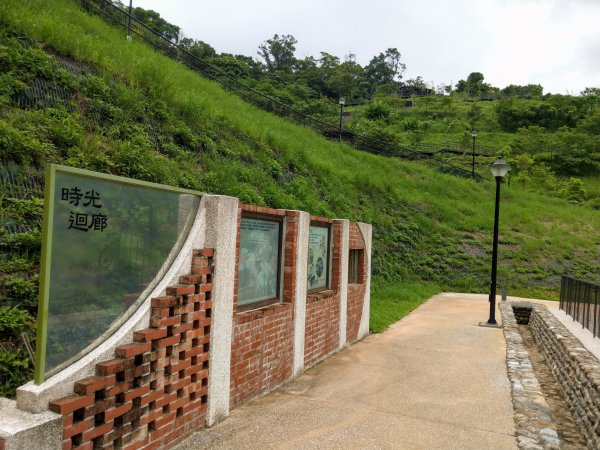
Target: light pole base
point(490, 325)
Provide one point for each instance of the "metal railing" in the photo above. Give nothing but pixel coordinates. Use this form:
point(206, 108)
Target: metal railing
point(581, 300)
point(112, 14)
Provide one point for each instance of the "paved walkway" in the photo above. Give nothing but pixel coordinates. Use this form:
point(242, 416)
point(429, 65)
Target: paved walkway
point(434, 380)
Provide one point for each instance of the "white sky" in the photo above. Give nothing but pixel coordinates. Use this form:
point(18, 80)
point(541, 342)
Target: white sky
point(555, 43)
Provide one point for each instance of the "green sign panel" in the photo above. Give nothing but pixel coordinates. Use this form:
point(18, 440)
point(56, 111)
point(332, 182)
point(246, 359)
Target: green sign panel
point(107, 240)
point(258, 271)
point(318, 257)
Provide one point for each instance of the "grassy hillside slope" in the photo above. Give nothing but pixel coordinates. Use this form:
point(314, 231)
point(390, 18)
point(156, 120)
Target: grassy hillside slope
point(429, 226)
point(137, 113)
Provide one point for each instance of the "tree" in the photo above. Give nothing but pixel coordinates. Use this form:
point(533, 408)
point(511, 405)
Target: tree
point(346, 79)
point(384, 69)
point(199, 49)
point(414, 86)
point(475, 87)
point(573, 190)
point(278, 52)
point(474, 114)
point(528, 91)
point(153, 20)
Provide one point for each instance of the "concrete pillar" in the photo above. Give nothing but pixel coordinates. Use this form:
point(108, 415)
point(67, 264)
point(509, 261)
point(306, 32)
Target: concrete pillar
point(367, 232)
point(301, 277)
point(221, 234)
point(343, 287)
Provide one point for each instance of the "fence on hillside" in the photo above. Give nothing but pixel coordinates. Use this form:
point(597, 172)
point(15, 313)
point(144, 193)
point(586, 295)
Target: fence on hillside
point(120, 17)
point(581, 300)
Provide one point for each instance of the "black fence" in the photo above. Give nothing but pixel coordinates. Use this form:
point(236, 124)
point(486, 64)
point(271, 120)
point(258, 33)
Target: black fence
point(116, 16)
point(580, 300)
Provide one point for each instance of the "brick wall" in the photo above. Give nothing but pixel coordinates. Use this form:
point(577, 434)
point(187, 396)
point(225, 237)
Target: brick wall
point(356, 298)
point(322, 326)
point(261, 353)
point(262, 344)
point(356, 292)
point(321, 333)
point(154, 392)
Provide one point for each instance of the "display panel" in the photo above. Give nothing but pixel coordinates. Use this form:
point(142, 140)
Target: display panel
point(318, 257)
point(107, 240)
point(258, 270)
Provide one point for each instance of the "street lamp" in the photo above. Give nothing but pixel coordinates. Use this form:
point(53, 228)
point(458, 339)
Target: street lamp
point(129, 20)
point(499, 169)
point(342, 103)
point(473, 135)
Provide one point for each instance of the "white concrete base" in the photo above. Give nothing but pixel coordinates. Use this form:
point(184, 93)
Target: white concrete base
point(24, 431)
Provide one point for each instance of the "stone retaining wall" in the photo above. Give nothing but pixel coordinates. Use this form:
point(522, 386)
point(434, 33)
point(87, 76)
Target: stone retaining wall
point(534, 427)
point(576, 370)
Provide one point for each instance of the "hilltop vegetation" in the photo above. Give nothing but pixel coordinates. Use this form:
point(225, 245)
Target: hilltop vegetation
point(551, 141)
point(73, 91)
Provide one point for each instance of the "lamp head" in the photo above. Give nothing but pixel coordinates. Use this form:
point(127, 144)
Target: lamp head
point(342, 101)
point(500, 168)
point(473, 133)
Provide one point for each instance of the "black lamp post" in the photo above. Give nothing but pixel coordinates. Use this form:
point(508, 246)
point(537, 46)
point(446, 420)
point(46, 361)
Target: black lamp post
point(499, 169)
point(473, 135)
point(129, 20)
point(342, 103)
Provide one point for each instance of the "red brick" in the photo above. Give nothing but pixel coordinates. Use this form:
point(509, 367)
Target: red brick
point(89, 385)
point(182, 328)
point(112, 366)
point(181, 289)
point(206, 287)
point(166, 301)
point(69, 404)
point(169, 321)
point(149, 334)
point(77, 428)
point(131, 350)
point(117, 389)
point(190, 279)
point(165, 342)
point(130, 395)
point(118, 411)
point(97, 431)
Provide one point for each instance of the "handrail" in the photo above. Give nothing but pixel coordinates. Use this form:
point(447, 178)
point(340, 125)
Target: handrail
point(581, 300)
point(114, 15)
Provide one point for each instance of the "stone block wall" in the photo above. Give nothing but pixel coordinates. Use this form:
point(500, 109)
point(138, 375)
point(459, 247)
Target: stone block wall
point(533, 422)
point(575, 369)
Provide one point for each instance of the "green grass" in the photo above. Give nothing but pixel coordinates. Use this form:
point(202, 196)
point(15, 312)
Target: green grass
point(393, 302)
point(429, 227)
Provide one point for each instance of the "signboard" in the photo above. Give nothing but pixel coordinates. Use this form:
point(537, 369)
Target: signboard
point(258, 270)
point(318, 257)
point(106, 241)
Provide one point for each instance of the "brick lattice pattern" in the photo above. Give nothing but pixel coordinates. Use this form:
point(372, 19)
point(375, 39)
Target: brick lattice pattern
point(154, 392)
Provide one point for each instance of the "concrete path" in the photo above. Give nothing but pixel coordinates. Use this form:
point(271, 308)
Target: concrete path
point(434, 380)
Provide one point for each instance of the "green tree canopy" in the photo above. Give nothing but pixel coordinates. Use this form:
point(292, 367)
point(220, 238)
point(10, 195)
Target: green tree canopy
point(278, 52)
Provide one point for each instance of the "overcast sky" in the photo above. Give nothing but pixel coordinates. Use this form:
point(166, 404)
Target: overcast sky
point(555, 43)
